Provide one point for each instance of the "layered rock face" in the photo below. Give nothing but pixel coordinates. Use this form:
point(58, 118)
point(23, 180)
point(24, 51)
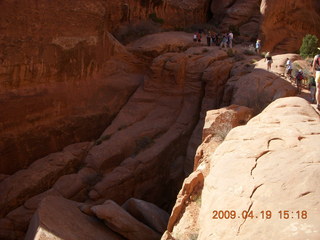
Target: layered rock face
point(285, 23)
point(269, 169)
point(241, 13)
point(143, 147)
point(280, 24)
point(174, 13)
point(52, 87)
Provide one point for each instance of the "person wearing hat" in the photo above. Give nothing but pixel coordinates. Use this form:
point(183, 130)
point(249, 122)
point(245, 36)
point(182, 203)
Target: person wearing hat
point(316, 70)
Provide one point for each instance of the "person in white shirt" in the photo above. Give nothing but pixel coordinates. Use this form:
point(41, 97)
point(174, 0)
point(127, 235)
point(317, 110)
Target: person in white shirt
point(288, 69)
point(316, 70)
point(230, 38)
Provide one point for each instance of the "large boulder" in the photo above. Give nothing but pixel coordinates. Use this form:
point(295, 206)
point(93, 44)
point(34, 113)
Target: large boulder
point(216, 127)
point(122, 222)
point(59, 218)
point(268, 168)
point(156, 44)
point(147, 213)
point(40, 176)
point(257, 89)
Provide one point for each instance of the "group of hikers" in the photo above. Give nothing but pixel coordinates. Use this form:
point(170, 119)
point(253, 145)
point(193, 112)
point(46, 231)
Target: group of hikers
point(313, 79)
point(223, 40)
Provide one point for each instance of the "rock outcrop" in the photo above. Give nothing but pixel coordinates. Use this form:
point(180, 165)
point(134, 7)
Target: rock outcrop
point(120, 221)
point(147, 213)
point(239, 14)
point(55, 88)
point(268, 169)
point(285, 23)
point(154, 45)
point(58, 218)
point(257, 89)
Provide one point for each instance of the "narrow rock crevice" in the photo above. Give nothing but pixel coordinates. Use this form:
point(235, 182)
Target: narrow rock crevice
point(256, 162)
point(249, 208)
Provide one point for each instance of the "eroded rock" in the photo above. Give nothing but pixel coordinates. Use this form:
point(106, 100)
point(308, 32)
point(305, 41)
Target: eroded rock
point(59, 218)
point(123, 223)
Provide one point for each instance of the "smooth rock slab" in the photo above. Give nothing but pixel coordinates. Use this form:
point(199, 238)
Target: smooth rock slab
point(148, 213)
point(61, 219)
point(122, 222)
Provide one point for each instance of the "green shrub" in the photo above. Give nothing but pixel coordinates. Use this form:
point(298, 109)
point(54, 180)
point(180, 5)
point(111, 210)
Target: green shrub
point(309, 46)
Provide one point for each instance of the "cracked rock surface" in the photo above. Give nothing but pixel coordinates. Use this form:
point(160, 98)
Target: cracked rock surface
point(270, 164)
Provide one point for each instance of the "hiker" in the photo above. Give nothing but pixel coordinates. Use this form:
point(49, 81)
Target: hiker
point(199, 37)
point(230, 38)
point(288, 69)
point(195, 38)
point(213, 38)
point(299, 78)
point(224, 41)
point(209, 38)
point(312, 88)
point(258, 46)
point(269, 60)
point(316, 70)
point(218, 38)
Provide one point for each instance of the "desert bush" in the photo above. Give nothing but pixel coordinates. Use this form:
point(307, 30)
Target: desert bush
point(309, 46)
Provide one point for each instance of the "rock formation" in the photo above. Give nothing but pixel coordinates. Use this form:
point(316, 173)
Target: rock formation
point(268, 165)
point(53, 78)
point(104, 130)
point(285, 23)
point(280, 24)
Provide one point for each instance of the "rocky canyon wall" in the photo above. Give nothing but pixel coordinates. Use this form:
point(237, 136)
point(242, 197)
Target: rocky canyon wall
point(280, 24)
point(285, 23)
point(52, 88)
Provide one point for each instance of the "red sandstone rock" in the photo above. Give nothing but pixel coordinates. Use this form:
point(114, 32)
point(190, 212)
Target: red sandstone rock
point(216, 127)
point(123, 223)
point(143, 137)
point(55, 77)
point(147, 213)
point(58, 218)
point(238, 13)
point(39, 177)
point(269, 164)
point(155, 44)
point(257, 89)
point(285, 23)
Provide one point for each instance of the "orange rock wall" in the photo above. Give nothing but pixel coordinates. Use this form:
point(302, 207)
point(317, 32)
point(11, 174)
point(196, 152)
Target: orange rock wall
point(52, 88)
point(285, 23)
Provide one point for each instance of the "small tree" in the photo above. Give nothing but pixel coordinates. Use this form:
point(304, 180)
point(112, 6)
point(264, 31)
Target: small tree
point(309, 46)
